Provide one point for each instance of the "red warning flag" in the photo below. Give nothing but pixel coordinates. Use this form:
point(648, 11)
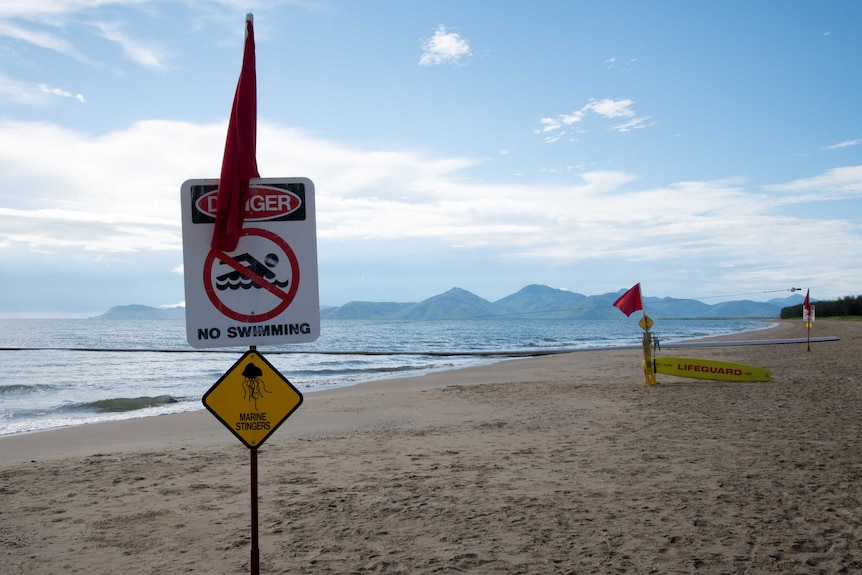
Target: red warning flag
point(240, 152)
point(630, 301)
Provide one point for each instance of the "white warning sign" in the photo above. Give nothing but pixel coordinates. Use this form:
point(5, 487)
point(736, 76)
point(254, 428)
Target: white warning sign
point(265, 291)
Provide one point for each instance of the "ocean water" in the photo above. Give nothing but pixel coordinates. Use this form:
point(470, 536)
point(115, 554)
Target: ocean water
point(63, 372)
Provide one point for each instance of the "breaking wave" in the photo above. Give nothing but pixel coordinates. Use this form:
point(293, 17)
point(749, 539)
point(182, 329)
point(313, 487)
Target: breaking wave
point(23, 388)
point(121, 404)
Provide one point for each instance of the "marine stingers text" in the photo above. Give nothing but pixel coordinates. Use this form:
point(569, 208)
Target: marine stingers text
point(252, 421)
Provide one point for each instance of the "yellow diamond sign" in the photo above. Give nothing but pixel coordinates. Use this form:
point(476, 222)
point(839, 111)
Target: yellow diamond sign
point(645, 323)
point(252, 399)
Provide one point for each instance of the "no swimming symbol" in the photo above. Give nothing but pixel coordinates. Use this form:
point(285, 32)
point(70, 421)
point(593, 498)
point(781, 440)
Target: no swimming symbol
point(251, 291)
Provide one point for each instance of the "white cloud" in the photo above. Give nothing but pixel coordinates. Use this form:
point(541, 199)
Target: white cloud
point(611, 108)
point(135, 50)
point(633, 124)
point(40, 8)
point(33, 94)
point(555, 127)
point(835, 184)
point(26, 21)
point(97, 192)
point(444, 48)
point(103, 196)
point(36, 38)
point(62, 93)
point(550, 124)
point(573, 118)
point(845, 144)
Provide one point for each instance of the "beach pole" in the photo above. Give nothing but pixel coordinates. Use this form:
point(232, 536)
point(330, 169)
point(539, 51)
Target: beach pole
point(649, 365)
point(252, 423)
point(255, 548)
point(254, 564)
point(649, 361)
point(628, 303)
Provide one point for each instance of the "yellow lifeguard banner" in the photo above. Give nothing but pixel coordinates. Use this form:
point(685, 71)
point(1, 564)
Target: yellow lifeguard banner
point(711, 369)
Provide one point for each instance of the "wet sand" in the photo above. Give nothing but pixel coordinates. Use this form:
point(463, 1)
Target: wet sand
point(556, 464)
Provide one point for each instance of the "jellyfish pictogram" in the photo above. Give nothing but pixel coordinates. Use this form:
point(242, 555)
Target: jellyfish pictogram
point(253, 386)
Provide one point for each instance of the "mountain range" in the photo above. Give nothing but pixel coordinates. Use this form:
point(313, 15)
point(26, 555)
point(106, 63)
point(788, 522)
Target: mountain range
point(532, 301)
point(540, 301)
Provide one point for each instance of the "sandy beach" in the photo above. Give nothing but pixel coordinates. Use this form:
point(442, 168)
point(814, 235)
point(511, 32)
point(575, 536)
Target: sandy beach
point(556, 464)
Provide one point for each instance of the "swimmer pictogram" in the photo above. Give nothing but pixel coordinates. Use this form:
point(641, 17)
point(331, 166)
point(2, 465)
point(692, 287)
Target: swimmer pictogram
point(246, 289)
point(235, 280)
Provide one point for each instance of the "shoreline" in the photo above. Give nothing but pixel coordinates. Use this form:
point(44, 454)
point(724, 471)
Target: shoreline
point(481, 359)
point(549, 465)
point(199, 429)
point(475, 358)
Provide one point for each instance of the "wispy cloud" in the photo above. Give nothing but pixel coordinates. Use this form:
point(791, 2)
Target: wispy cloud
point(444, 48)
point(20, 92)
point(39, 38)
point(41, 8)
point(135, 50)
point(62, 93)
point(845, 144)
point(633, 124)
point(31, 94)
point(554, 128)
point(835, 184)
point(614, 62)
point(46, 24)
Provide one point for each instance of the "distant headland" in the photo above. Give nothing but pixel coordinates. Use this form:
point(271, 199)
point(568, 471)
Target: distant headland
point(137, 311)
point(532, 301)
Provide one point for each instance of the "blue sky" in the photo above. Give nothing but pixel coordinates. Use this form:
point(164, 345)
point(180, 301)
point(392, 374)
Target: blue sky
point(706, 150)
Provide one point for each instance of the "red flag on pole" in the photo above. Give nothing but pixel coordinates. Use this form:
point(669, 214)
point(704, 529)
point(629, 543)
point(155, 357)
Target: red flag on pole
point(240, 152)
point(630, 301)
point(806, 305)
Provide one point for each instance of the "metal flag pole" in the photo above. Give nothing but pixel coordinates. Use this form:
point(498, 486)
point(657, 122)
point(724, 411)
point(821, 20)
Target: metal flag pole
point(807, 316)
point(255, 544)
point(649, 365)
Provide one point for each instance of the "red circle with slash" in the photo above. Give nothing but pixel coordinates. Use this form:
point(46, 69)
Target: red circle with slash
point(285, 298)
